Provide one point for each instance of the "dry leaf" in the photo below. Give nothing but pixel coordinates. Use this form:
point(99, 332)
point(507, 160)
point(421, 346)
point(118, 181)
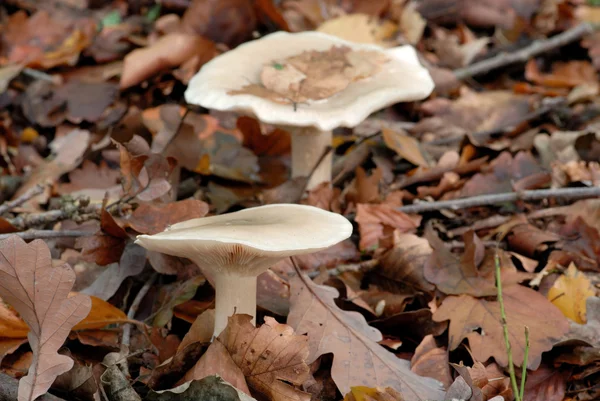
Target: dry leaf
point(472, 273)
point(217, 361)
point(570, 292)
point(377, 223)
point(358, 359)
point(151, 218)
point(431, 361)
point(209, 388)
point(270, 356)
point(589, 332)
point(362, 393)
point(546, 384)
point(405, 146)
point(40, 293)
point(201, 330)
point(523, 308)
point(360, 28)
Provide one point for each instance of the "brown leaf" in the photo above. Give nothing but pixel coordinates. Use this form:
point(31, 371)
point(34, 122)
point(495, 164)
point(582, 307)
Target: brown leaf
point(101, 249)
point(466, 314)
point(546, 384)
point(226, 21)
point(92, 176)
point(275, 143)
point(405, 146)
point(40, 293)
point(151, 218)
point(377, 222)
point(568, 74)
point(201, 330)
point(404, 264)
point(360, 28)
point(473, 273)
point(168, 52)
point(431, 361)
point(217, 361)
point(348, 336)
point(269, 356)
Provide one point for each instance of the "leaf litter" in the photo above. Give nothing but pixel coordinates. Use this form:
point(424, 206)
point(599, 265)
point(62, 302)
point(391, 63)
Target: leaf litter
point(97, 145)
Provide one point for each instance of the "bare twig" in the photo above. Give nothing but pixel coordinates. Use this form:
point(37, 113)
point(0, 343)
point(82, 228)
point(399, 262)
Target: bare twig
point(135, 305)
point(45, 234)
point(495, 199)
point(31, 193)
point(521, 56)
point(78, 210)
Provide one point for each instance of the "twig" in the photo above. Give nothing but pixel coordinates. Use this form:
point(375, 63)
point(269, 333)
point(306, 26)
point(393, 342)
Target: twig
point(79, 211)
point(511, 366)
point(45, 234)
point(525, 361)
point(134, 308)
point(495, 199)
point(522, 55)
point(31, 193)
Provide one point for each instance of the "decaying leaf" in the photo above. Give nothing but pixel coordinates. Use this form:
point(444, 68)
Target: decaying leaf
point(473, 273)
point(314, 75)
point(570, 292)
point(270, 356)
point(363, 393)
point(431, 361)
point(209, 388)
point(151, 218)
point(348, 336)
point(523, 307)
point(40, 293)
point(377, 223)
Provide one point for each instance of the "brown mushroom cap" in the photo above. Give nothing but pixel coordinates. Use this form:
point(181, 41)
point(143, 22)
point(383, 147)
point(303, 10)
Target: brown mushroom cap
point(401, 79)
point(247, 242)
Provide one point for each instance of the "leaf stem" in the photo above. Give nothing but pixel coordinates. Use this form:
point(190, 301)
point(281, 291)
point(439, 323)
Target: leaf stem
point(511, 366)
point(525, 361)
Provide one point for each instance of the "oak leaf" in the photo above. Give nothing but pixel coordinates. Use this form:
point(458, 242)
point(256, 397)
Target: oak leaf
point(431, 361)
point(376, 223)
point(348, 336)
point(269, 356)
point(151, 218)
point(473, 272)
point(523, 308)
point(40, 293)
point(570, 292)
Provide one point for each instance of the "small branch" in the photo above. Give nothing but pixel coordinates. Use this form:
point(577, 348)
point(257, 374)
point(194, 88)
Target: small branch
point(78, 210)
point(31, 193)
point(511, 366)
point(495, 199)
point(45, 234)
point(522, 55)
point(134, 308)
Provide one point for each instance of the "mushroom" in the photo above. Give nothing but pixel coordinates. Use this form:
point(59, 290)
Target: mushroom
point(235, 248)
point(232, 81)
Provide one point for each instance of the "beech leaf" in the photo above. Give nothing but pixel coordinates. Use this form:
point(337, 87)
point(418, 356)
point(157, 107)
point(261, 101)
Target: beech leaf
point(570, 292)
point(348, 336)
point(523, 306)
point(40, 293)
point(269, 356)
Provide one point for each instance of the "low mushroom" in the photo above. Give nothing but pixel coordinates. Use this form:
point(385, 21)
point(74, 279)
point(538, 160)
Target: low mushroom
point(292, 80)
point(235, 248)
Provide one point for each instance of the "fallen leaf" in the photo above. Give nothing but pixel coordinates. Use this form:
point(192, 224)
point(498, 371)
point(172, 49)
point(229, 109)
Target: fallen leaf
point(131, 263)
point(403, 265)
point(170, 51)
point(348, 336)
point(376, 224)
point(271, 356)
point(589, 332)
point(173, 295)
point(405, 146)
point(430, 360)
point(570, 292)
point(151, 218)
point(363, 393)
point(7, 74)
point(201, 330)
point(209, 388)
point(217, 361)
point(274, 143)
point(40, 293)
point(360, 28)
point(569, 74)
point(546, 384)
point(94, 181)
point(468, 314)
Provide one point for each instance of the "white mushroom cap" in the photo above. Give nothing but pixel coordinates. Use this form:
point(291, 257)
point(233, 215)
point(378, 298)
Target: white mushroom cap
point(401, 79)
point(249, 241)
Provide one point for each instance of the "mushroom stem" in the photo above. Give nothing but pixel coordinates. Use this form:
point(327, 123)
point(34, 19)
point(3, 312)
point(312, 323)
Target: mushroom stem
point(308, 145)
point(233, 294)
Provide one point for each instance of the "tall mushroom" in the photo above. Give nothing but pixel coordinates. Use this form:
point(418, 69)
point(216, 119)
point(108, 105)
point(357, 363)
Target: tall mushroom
point(309, 83)
point(235, 248)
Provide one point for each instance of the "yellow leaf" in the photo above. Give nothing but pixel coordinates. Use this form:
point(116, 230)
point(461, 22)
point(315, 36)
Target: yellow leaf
point(101, 315)
point(11, 325)
point(29, 134)
point(570, 292)
point(363, 393)
point(405, 146)
point(360, 28)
